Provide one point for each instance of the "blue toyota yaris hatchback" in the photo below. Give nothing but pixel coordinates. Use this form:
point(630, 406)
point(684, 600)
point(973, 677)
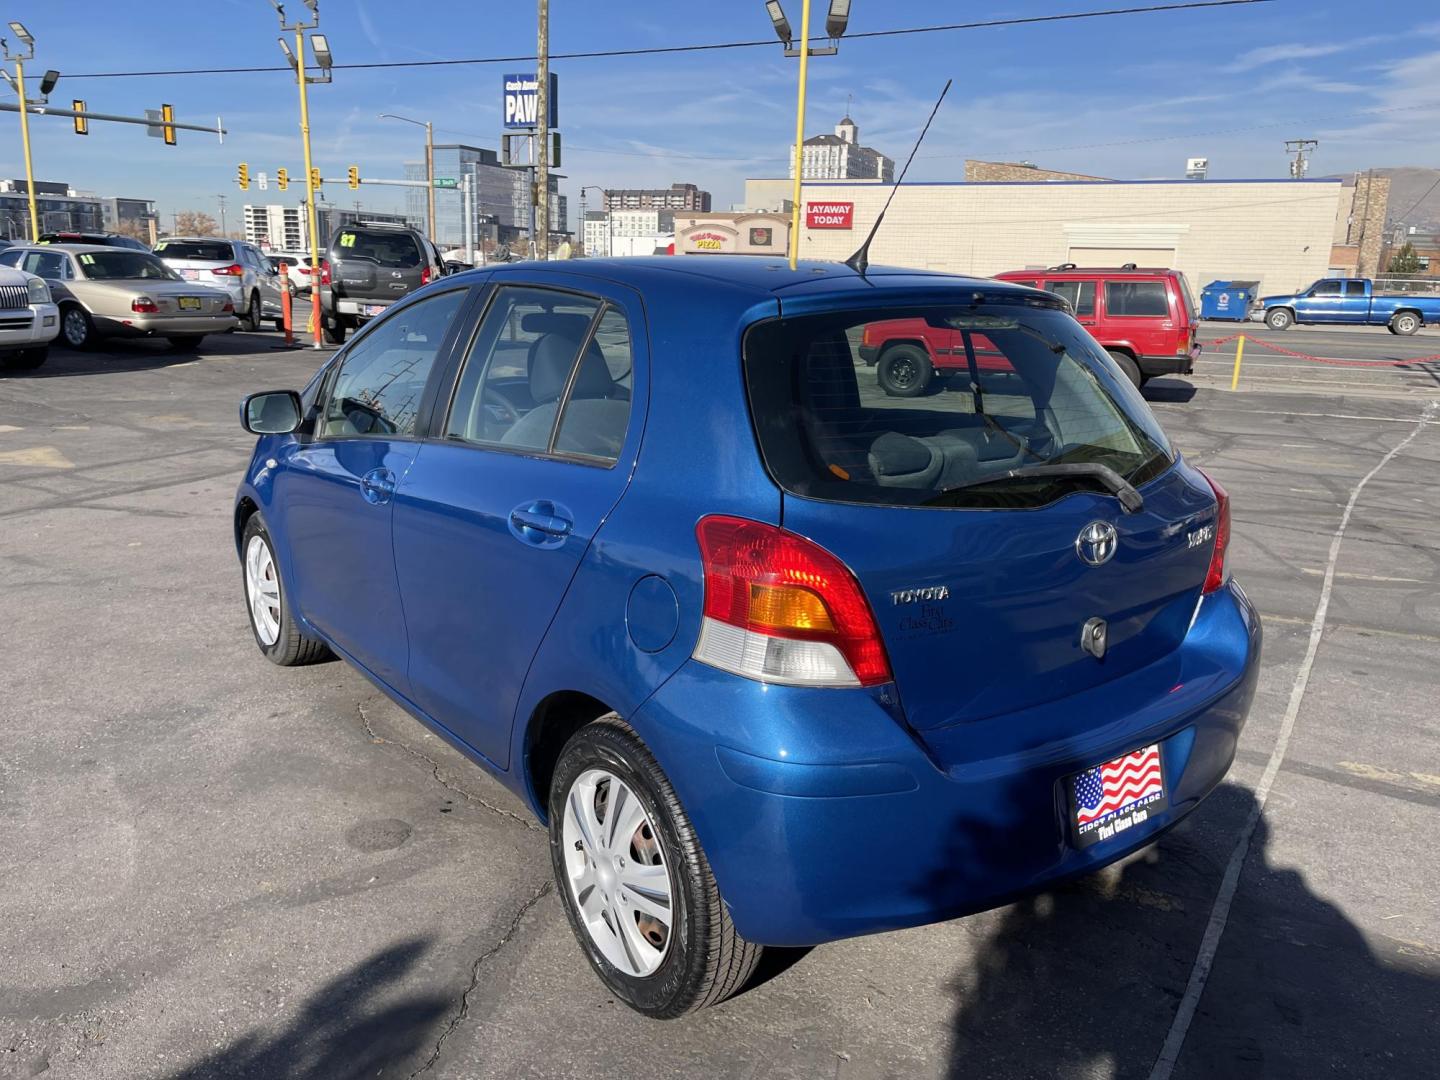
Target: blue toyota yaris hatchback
point(779, 657)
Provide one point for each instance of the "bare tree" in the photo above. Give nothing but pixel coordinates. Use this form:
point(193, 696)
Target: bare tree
point(195, 223)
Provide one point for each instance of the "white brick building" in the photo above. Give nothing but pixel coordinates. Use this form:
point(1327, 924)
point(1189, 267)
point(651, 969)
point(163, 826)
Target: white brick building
point(841, 157)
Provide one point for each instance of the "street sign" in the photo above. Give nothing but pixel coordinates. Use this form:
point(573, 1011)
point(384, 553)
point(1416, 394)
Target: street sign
point(446, 182)
point(262, 181)
point(520, 100)
point(155, 129)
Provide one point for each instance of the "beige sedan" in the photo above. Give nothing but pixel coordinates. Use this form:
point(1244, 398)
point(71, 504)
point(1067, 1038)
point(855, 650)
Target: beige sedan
point(118, 292)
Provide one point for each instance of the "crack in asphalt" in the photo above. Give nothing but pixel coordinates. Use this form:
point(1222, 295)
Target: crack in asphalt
point(464, 1009)
point(524, 822)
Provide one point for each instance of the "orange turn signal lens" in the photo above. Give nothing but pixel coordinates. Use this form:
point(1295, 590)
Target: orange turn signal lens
point(787, 607)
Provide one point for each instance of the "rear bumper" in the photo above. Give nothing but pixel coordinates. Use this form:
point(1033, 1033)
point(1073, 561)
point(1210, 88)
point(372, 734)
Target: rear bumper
point(164, 326)
point(824, 817)
point(1168, 365)
point(358, 307)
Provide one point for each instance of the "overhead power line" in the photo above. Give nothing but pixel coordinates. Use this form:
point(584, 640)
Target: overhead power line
point(659, 50)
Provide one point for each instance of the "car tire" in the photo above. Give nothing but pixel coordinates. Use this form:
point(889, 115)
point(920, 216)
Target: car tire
point(700, 959)
point(76, 328)
point(904, 371)
point(1405, 323)
point(271, 620)
point(25, 359)
point(1279, 318)
point(1126, 363)
point(186, 341)
point(253, 319)
point(334, 331)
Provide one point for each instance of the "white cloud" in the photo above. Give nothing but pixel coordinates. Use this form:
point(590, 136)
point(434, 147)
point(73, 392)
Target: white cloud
point(1274, 54)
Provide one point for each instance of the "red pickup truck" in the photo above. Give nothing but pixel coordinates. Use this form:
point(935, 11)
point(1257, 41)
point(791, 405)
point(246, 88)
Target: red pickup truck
point(1144, 318)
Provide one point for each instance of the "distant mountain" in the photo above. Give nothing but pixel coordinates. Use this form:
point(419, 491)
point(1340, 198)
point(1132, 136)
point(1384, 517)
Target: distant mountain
point(1411, 186)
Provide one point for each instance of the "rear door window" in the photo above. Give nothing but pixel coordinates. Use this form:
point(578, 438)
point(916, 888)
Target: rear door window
point(1039, 392)
point(522, 374)
point(381, 247)
point(1081, 295)
point(205, 250)
point(378, 389)
point(1127, 299)
point(1355, 288)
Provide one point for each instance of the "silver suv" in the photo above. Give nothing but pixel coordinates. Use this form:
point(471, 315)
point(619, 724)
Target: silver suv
point(235, 266)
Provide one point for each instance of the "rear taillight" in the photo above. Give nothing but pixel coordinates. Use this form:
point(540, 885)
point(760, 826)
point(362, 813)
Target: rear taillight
point(1218, 558)
point(425, 276)
point(324, 271)
point(233, 270)
point(229, 307)
point(781, 609)
point(143, 305)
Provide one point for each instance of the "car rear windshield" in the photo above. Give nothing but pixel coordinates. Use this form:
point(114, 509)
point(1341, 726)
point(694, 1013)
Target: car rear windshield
point(1012, 386)
point(121, 264)
point(385, 248)
point(208, 250)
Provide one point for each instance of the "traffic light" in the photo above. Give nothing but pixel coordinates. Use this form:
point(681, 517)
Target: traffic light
point(555, 149)
point(353, 175)
point(242, 176)
point(82, 125)
point(282, 179)
point(167, 116)
point(315, 177)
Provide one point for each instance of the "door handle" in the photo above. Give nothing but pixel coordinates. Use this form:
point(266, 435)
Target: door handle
point(377, 486)
point(541, 523)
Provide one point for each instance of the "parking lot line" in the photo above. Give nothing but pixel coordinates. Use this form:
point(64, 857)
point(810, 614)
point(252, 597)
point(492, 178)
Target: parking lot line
point(1220, 911)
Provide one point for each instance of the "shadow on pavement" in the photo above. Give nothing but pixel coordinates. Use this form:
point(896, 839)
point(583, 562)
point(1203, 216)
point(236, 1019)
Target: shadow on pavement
point(343, 1031)
point(1168, 390)
point(1085, 979)
point(140, 354)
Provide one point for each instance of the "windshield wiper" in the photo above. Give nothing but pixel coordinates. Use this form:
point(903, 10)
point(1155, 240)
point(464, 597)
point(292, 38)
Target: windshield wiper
point(1130, 499)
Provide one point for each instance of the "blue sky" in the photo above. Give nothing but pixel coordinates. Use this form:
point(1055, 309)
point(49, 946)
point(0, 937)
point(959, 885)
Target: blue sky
point(1119, 97)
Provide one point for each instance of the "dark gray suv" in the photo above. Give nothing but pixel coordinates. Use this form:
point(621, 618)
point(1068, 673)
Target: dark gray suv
point(371, 266)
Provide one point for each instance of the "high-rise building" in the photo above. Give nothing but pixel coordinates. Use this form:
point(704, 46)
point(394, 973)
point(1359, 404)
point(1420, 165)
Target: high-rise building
point(502, 196)
point(277, 227)
point(841, 157)
point(685, 197)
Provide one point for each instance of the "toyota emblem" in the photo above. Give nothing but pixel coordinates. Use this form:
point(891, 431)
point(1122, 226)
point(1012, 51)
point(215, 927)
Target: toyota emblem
point(1096, 543)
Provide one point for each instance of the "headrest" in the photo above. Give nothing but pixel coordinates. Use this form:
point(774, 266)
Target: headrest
point(550, 367)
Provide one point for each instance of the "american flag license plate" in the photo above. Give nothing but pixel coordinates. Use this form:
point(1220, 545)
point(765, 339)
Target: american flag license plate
point(1118, 795)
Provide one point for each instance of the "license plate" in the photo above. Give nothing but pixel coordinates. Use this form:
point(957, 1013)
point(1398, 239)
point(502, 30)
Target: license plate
point(189, 275)
point(375, 309)
point(1116, 796)
point(189, 303)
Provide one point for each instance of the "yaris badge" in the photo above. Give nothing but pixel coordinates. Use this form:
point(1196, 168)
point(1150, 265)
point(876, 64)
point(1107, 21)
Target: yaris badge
point(1096, 543)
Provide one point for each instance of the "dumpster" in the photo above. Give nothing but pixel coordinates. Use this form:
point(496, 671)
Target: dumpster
point(1227, 299)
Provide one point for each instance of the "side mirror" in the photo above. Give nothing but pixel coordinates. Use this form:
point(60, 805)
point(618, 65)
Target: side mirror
point(271, 412)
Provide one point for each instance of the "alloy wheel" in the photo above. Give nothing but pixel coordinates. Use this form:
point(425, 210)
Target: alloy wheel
point(617, 872)
point(75, 327)
point(262, 590)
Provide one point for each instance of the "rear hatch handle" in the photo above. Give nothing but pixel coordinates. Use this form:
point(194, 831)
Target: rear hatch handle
point(1130, 499)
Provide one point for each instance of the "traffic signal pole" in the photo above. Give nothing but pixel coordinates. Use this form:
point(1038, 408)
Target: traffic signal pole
point(430, 175)
point(313, 220)
point(541, 194)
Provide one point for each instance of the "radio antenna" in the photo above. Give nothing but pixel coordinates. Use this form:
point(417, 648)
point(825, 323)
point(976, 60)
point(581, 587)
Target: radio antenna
point(860, 261)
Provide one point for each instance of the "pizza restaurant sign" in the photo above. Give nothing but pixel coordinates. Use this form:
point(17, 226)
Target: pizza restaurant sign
point(829, 215)
point(709, 241)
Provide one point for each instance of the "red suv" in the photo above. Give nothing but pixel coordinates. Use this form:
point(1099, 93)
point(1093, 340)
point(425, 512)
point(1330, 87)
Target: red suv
point(1144, 318)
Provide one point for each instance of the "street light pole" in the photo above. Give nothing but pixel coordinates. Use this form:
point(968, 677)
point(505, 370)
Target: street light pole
point(799, 134)
point(29, 42)
point(325, 60)
point(429, 165)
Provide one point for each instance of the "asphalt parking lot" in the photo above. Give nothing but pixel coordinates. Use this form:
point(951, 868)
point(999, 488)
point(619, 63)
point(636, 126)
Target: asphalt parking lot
point(213, 867)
